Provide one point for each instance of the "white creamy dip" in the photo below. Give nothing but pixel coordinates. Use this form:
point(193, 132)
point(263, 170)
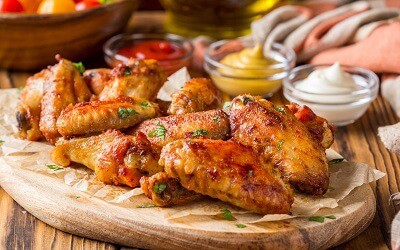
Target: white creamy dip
point(331, 80)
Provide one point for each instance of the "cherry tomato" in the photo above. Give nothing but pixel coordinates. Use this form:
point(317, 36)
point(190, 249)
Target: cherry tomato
point(86, 4)
point(11, 6)
point(56, 6)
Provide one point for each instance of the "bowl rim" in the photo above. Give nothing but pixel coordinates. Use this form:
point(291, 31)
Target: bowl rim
point(35, 16)
point(138, 36)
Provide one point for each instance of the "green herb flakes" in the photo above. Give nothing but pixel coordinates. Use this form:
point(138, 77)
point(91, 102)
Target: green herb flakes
point(216, 119)
point(280, 109)
point(127, 73)
point(280, 144)
point(250, 173)
point(79, 66)
point(54, 167)
point(199, 132)
point(331, 188)
point(159, 132)
point(20, 88)
point(332, 217)
point(227, 215)
point(146, 206)
point(124, 113)
point(240, 226)
point(1, 141)
point(246, 100)
point(319, 219)
point(334, 161)
point(159, 188)
point(75, 197)
point(144, 104)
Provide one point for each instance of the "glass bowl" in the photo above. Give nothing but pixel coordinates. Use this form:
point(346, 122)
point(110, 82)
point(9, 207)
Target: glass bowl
point(114, 44)
point(263, 81)
point(338, 109)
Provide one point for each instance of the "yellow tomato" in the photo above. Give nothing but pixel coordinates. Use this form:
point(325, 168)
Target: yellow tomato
point(56, 6)
point(30, 6)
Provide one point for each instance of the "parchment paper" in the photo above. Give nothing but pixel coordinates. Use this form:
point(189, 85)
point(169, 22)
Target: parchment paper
point(35, 156)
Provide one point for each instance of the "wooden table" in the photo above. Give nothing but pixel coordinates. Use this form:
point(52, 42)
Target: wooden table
point(357, 142)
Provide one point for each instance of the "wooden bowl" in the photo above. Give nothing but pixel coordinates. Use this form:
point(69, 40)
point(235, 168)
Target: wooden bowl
point(30, 41)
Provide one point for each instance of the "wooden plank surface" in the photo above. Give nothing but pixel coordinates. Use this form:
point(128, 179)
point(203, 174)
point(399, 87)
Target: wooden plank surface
point(357, 142)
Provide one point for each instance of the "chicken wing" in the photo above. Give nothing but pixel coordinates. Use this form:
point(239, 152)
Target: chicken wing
point(97, 116)
point(275, 133)
point(116, 158)
point(228, 171)
point(213, 124)
point(139, 79)
point(28, 112)
point(97, 79)
point(198, 94)
point(166, 191)
point(316, 125)
point(64, 86)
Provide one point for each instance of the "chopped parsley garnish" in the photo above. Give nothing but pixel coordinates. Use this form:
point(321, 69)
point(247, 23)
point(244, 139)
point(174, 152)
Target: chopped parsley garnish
point(250, 173)
point(246, 100)
point(79, 66)
point(20, 88)
point(144, 104)
point(1, 141)
point(159, 132)
point(216, 119)
point(240, 226)
point(319, 219)
point(331, 188)
point(54, 167)
point(227, 105)
point(127, 73)
point(159, 188)
point(280, 143)
point(227, 215)
point(199, 132)
point(75, 196)
point(332, 217)
point(146, 206)
point(124, 113)
point(280, 109)
point(334, 161)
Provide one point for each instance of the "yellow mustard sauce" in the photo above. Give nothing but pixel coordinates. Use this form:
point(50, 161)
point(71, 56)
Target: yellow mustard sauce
point(249, 73)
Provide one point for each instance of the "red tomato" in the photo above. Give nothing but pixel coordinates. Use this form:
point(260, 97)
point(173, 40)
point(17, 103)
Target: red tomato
point(86, 4)
point(11, 6)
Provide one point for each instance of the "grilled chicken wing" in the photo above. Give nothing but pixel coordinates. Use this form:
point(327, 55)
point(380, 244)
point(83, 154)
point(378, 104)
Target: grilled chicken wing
point(139, 79)
point(213, 124)
point(28, 113)
point(97, 79)
point(97, 116)
point(166, 191)
point(228, 171)
point(116, 158)
point(316, 125)
point(64, 86)
point(198, 94)
point(275, 133)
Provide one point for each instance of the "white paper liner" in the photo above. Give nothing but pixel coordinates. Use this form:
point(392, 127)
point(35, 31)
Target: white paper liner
point(34, 156)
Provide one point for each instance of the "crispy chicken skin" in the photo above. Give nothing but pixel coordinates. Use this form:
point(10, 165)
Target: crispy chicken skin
point(318, 127)
point(116, 158)
point(212, 124)
point(97, 79)
point(28, 112)
point(139, 79)
point(275, 133)
point(228, 171)
point(198, 94)
point(97, 116)
point(166, 191)
point(63, 87)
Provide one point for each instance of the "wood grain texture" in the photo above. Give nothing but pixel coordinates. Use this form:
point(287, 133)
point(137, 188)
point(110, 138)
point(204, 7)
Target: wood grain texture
point(357, 142)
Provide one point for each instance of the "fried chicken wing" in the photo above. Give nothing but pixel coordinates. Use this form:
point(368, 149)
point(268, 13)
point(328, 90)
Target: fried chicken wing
point(166, 191)
point(139, 79)
point(198, 94)
point(116, 158)
point(63, 87)
point(97, 79)
point(275, 133)
point(316, 125)
point(213, 124)
point(228, 171)
point(28, 113)
point(96, 116)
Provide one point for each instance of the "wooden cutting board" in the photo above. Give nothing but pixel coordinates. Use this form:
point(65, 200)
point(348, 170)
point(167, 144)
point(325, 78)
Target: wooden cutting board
point(50, 200)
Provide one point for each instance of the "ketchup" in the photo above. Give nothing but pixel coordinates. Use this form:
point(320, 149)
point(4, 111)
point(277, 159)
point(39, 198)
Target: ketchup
point(153, 49)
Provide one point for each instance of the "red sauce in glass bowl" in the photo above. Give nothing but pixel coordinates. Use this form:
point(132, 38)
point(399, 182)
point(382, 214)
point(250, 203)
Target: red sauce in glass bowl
point(152, 49)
